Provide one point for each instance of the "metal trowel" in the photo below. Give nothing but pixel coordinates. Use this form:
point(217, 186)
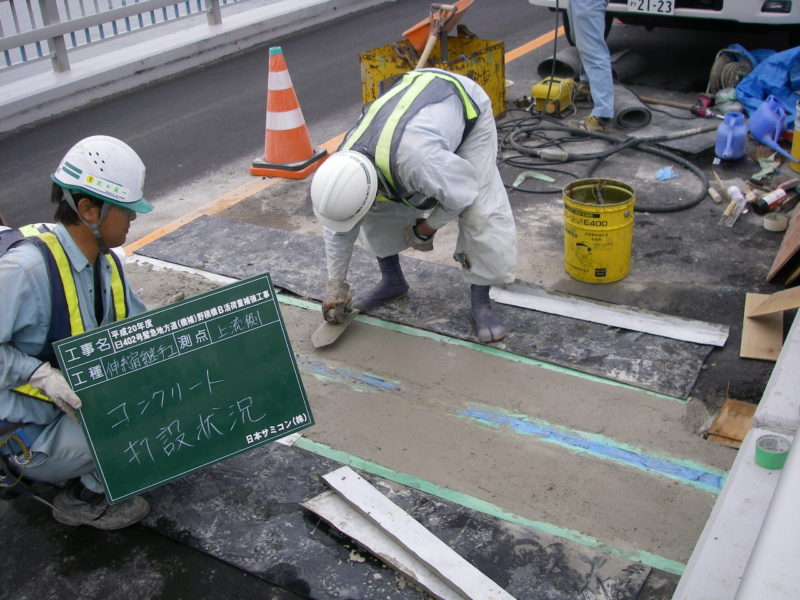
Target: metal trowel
point(327, 333)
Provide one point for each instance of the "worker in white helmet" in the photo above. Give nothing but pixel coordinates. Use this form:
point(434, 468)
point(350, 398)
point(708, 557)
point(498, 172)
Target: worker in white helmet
point(422, 155)
point(54, 283)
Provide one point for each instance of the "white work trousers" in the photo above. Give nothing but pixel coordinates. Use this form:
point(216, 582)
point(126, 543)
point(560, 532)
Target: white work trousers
point(487, 239)
point(587, 19)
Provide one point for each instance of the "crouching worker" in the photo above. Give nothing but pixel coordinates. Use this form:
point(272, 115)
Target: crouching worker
point(54, 284)
point(422, 155)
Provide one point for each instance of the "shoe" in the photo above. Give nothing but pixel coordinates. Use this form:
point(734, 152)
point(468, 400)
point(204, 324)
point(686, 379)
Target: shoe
point(582, 91)
point(590, 123)
point(77, 505)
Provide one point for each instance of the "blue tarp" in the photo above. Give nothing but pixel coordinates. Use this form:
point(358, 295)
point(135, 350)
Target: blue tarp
point(774, 73)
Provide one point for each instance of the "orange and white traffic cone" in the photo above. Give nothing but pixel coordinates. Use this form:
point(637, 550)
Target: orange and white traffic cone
point(287, 147)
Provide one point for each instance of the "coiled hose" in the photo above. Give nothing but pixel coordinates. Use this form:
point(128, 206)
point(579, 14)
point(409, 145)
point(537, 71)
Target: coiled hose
point(553, 156)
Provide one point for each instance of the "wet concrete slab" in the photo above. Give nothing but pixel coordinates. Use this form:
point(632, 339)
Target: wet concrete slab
point(296, 263)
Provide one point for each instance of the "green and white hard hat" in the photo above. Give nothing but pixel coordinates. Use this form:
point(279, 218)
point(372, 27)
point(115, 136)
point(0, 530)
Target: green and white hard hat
point(106, 168)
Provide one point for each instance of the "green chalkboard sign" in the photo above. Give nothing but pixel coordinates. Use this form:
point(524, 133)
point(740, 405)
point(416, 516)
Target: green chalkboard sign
point(178, 388)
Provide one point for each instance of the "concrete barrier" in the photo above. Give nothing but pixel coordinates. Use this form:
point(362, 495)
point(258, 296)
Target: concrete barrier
point(748, 548)
point(32, 92)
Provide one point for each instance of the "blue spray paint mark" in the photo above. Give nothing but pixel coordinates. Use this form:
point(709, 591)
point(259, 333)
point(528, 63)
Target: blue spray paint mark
point(681, 470)
point(371, 381)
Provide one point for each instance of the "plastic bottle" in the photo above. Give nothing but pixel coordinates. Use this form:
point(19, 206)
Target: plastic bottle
point(767, 202)
point(735, 207)
point(767, 124)
point(796, 138)
point(731, 137)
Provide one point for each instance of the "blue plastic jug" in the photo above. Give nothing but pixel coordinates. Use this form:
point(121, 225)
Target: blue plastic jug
point(767, 124)
point(731, 137)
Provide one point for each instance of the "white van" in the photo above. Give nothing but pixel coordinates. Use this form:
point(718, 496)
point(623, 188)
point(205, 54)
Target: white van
point(728, 15)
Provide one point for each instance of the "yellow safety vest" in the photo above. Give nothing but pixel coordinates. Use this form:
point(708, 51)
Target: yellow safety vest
point(378, 132)
point(65, 306)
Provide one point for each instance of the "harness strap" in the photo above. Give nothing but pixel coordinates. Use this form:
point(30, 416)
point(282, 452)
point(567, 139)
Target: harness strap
point(388, 115)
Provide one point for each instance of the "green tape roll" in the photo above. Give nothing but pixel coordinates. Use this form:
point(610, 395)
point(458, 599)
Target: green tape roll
point(771, 451)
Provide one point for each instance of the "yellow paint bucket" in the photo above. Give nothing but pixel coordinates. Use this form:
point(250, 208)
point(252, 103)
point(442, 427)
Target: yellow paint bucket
point(598, 229)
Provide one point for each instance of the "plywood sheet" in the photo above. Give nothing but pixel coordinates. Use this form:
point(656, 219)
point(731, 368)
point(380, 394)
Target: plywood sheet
point(777, 302)
point(788, 249)
point(734, 420)
point(762, 336)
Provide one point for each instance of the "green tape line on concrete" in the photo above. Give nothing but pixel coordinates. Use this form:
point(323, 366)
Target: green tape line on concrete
point(473, 503)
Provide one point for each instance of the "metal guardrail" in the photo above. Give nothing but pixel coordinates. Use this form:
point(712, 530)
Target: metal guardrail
point(36, 29)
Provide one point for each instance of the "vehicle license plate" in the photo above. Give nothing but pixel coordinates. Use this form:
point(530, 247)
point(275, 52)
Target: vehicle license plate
point(657, 7)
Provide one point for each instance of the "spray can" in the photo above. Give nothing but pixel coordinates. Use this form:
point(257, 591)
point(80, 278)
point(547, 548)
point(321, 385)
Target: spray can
point(796, 139)
point(767, 202)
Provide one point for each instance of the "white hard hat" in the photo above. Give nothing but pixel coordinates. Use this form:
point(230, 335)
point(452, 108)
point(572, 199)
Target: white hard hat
point(106, 168)
point(343, 189)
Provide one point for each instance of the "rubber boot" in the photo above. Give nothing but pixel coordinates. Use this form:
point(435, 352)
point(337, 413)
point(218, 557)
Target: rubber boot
point(392, 285)
point(487, 326)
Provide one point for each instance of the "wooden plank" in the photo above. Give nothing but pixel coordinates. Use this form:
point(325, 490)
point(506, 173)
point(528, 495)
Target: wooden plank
point(793, 274)
point(724, 441)
point(734, 420)
point(625, 317)
point(762, 336)
point(777, 302)
point(415, 538)
point(788, 249)
point(335, 510)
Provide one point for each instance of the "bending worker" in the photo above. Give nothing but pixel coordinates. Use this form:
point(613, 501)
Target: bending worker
point(422, 155)
point(54, 284)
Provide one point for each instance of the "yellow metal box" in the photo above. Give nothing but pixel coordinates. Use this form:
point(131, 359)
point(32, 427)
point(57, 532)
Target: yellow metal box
point(480, 60)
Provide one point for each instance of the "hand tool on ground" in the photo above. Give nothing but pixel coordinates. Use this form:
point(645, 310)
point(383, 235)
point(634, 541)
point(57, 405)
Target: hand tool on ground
point(701, 108)
point(327, 333)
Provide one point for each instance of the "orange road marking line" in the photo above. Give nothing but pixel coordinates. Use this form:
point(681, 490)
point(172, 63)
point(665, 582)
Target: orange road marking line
point(533, 44)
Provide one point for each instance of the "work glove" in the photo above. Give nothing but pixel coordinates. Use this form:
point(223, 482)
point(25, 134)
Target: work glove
point(415, 240)
point(52, 383)
point(336, 305)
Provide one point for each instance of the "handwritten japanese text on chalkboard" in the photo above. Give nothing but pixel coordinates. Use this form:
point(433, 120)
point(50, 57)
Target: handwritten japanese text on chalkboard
point(179, 388)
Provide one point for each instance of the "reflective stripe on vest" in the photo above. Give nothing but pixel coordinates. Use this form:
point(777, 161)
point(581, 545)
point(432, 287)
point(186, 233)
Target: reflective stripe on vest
point(378, 132)
point(65, 318)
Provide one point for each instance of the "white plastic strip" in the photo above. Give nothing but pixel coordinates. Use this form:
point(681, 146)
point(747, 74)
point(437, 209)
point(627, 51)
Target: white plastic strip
point(624, 317)
point(286, 120)
point(335, 510)
point(278, 80)
point(415, 538)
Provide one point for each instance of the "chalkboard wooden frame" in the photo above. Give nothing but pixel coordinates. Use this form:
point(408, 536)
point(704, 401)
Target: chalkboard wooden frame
point(179, 388)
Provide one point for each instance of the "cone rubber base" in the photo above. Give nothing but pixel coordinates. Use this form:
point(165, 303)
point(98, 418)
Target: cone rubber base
point(298, 170)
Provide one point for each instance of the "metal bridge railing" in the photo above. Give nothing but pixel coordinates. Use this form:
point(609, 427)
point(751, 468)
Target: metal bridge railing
point(36, 29)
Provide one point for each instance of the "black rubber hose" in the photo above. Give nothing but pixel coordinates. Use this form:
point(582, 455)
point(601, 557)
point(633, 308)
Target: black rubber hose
point(643, 144)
